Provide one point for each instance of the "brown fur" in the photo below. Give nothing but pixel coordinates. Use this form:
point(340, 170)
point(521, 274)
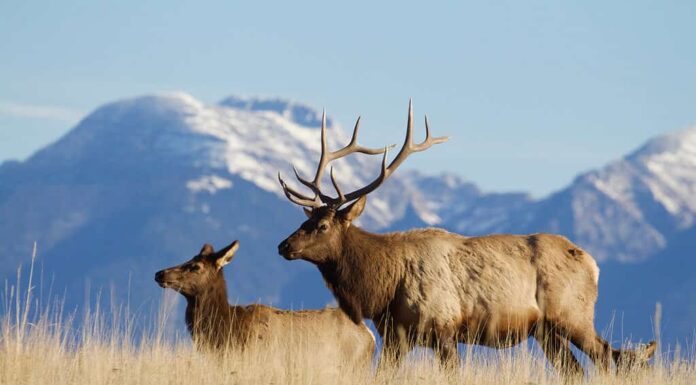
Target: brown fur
point(435, 288)
point(215, 324)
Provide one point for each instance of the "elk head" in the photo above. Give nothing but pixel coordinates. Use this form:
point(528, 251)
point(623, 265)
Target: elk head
point(197, 275)
point(321, 236)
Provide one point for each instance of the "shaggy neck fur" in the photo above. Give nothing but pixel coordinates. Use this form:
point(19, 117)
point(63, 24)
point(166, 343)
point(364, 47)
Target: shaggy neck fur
point(365, 273)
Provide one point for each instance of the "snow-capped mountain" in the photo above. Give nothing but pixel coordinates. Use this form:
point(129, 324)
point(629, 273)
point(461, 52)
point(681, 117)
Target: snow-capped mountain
point(626, 211)
point(141, 184)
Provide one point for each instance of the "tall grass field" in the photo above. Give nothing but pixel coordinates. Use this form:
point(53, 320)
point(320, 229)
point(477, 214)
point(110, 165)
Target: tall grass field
point(39, 344)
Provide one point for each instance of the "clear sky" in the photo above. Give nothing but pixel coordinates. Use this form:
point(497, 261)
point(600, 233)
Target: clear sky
point(531, 92)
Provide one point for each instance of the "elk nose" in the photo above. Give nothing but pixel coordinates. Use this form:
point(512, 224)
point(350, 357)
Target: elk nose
point(283, 247)
point(159, 276)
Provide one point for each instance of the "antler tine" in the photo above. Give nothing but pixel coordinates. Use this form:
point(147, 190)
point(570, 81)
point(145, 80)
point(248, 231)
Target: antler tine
point(341, 198)
point(328, 156)
point(353, 146)
point(383, 175)
point(407, 149)
point(297, 197)
point(315, 184)
point(324, 152)
point(354, 138)
point(315, 189)
point(429, 139)
point(304, 181)
point(325, 156)
point(295, 192)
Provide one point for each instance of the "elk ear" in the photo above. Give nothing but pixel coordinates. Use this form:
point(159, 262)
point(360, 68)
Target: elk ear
point(354, 210)
point(307, 212)
point(226, 254)
point(207, 249)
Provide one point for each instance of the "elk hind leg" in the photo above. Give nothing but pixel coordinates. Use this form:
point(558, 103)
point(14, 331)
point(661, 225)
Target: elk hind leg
point(557, 350)
point(597, 348)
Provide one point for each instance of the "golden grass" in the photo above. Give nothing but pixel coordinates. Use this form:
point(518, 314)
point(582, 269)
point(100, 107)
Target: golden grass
point(38, 345)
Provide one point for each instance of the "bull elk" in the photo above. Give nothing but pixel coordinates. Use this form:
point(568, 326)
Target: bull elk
point(434, 288)
point(216, 325)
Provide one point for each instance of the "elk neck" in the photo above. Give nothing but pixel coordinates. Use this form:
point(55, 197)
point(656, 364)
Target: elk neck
point(209, 308)
point(365, 273)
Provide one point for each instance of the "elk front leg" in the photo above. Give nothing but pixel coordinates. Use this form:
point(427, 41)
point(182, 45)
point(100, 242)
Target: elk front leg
point(445, 347)
point(396, 344)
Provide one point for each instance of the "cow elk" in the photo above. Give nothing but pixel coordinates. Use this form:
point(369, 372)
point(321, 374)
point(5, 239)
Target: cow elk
point(215, 325)
point(434, 288)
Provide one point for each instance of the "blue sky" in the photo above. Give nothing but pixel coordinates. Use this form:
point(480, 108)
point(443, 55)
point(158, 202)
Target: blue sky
point(532, 93)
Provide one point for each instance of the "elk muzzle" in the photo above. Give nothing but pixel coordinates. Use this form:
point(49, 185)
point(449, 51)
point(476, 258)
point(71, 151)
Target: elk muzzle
point(161, 279)
point(159, 276)
point(286, 250)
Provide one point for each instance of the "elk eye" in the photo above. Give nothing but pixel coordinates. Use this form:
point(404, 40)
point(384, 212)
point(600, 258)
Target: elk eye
point(194, 268)
point(323, 227)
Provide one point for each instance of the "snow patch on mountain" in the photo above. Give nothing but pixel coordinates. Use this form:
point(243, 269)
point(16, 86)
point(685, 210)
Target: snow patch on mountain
point(617, 182)
point(670, 172)
point(665, 167)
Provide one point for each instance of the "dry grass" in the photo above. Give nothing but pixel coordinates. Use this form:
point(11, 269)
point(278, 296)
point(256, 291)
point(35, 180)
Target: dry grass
point(38, 345)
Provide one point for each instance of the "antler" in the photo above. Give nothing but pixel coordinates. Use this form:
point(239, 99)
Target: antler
point(352, 147)
point(326, 157)
point(407, 149)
